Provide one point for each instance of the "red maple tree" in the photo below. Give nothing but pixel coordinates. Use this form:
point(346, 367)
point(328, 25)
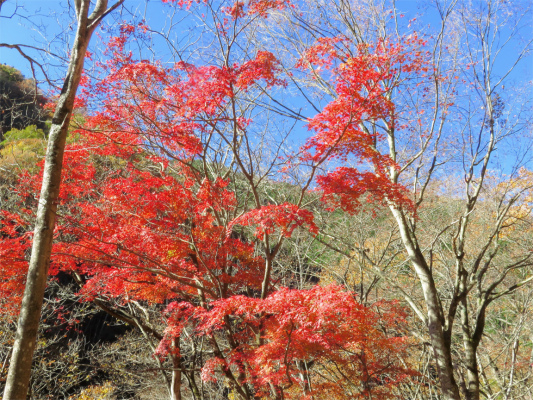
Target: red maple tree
point(140, 223)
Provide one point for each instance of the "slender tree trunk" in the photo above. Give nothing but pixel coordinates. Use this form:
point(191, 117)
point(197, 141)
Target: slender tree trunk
point(175, 382)
point(192, 385)
point(30, 313)
point(441, 346)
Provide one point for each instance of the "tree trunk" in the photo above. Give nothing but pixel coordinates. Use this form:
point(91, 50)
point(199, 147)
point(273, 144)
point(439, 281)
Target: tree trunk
point(472, 374)
point(470, 343)
point(435, 322)
point(30, 313)
point(175, 382)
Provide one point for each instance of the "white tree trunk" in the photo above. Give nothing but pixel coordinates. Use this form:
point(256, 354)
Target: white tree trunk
point(435, 321)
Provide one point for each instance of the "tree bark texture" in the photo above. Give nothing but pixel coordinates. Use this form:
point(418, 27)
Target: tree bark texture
point(435, 320)
point(18, 378)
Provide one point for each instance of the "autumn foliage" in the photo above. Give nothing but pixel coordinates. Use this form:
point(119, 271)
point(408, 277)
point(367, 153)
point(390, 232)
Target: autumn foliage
point(139, 222)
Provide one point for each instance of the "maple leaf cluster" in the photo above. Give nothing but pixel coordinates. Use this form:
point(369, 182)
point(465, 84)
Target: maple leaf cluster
point(363, 84)
point(323, 326)
point(138, 223)
point(137, 235)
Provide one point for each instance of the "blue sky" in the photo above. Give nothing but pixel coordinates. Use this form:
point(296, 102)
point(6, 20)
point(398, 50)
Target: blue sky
point(39, 22)
point(36, 22)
